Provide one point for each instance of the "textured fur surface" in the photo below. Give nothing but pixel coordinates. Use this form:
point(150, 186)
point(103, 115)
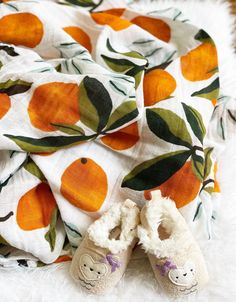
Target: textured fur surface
point(53, 283)
point(124, 215)
point(162, 211)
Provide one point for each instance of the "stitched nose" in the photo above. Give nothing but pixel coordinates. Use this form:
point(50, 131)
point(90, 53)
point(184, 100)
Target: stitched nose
point(185, 274)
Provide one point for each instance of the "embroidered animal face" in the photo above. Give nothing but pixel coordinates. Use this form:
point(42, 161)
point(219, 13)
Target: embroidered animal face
point(90, 269)
point(183, 276)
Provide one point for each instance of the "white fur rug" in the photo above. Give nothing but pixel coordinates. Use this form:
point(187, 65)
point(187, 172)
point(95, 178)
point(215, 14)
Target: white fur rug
point(54, 284)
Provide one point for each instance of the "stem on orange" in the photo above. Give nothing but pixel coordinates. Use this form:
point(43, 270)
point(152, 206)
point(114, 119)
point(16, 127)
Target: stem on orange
point(95, 6)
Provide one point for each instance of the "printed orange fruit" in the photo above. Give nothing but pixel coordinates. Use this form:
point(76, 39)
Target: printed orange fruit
point(113, 21)
point(21, 29)
point(182, 187)
point(54, 103)
point(216, 184)
point(123, 139)
point(214, 101)
point(63, 258)
point(43, 153)
point(84, 184)
point(35, 208)
point(115, 11)
point(200, 63)
point(79, 36)
point(156, 27)
point(158, 85)
point(5, 104)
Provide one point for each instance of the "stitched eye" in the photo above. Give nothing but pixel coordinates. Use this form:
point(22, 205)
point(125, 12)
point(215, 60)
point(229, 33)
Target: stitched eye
point(177, 277)
point(91, 269)
point(85, 265)
point(191, 270)
point(99, 273)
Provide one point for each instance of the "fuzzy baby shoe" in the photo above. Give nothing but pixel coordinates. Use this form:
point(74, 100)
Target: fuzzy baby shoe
point(175, 257)
point(101, 259)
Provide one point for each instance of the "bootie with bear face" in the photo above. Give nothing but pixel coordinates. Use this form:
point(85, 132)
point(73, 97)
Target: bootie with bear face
point(175, 257)
point(101, 259)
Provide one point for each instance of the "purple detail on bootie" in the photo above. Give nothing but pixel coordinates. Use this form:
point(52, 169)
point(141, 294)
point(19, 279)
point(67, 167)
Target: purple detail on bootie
point(114, 263)
point(166, 267)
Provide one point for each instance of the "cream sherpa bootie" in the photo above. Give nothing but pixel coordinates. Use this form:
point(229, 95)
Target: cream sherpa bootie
point(101, 259)
point(175, 257)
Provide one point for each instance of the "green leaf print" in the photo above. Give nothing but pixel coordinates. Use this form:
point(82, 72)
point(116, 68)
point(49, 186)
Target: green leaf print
point(131, 54)
point(95, 104)
point(198, 212)
point(168, 126)
point(154, 172)
point(162, 66)
point(82, 3)
point(3, 241)
point(118, 88)
point(48, 143)
point(208, 162)
point(33, 169)
point(123, 114)
point(136, 72)
point(195, 120)
point(58, 68)
point(11, 87)
point(232, 115)
point(209, 190)
point(50, 236)
point(69, 129)
point(203, 36)
point(198, 166)
point(9, 50)
point(124, 65)
point(210, 92)
point(118, 65)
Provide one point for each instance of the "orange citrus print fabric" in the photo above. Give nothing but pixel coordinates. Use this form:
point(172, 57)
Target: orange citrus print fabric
point(79, 36)
point(21, 29)
point(115, 11)
point(91, 192)
point(158, 85)
point(200, 63)
point(216, 184)
point(123, 139)
point(58, 104)
point(5, 104)
point(184, 179)
point(99, 104)
point(112, 20)
point(35, 208)
point(64, 258)
point(156, 27)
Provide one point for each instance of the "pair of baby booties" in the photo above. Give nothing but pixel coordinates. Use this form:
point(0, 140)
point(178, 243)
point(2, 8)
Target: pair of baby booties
point(176, 259)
